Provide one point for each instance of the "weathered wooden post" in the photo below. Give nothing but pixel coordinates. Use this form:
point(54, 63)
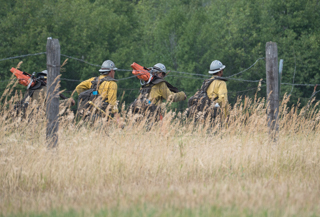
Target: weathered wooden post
point(53, 82)
point(272, 89)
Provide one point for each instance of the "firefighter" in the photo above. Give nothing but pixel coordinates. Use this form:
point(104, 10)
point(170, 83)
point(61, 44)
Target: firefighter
point(103, 87)
point(38, 92)
point(217, 90)
point(212, 95)
point(153, 93)
point(162, 89)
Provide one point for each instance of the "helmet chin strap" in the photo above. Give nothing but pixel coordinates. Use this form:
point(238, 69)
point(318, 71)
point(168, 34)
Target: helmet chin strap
point(105, 73)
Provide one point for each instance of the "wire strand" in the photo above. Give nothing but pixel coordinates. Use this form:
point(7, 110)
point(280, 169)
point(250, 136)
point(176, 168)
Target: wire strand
point(26, 55)
point(129, 70)
point(247, 68)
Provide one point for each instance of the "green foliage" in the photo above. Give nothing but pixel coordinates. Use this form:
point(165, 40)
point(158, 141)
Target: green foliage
point(184, 35)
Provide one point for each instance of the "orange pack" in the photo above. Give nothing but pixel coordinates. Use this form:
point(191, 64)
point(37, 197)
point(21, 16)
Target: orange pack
point(141, 72)
point(23, 77)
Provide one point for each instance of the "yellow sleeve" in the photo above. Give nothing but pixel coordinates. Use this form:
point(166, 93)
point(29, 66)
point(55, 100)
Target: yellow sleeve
point(223, 97)
point(85, 85)
point(222, 94)
point(108, 91)
point(168, 95)
point(210, 91)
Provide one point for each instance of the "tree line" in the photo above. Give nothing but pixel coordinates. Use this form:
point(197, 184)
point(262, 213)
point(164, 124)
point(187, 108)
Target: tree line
point(185, 35)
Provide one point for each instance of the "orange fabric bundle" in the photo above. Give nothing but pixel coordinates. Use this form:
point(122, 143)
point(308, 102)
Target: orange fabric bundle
point(141, 72)
point(23, 77)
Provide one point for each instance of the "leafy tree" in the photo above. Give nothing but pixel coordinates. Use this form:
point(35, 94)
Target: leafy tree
point(184, 35)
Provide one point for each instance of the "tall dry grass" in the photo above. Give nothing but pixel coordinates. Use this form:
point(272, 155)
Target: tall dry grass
point(171, 163)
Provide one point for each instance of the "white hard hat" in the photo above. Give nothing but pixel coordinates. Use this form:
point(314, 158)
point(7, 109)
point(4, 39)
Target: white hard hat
point(107, 66)
point(44, 72)
point(216, 66)
point(160, 67)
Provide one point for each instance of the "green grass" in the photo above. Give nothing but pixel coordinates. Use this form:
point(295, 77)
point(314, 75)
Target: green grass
point(148, 211)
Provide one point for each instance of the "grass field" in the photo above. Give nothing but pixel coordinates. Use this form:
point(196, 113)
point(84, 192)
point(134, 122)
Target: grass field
point(172, 168)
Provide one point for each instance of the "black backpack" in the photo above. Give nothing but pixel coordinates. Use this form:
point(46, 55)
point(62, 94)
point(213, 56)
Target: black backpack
point(22, 105)
point(92, 94)
point(200, 100)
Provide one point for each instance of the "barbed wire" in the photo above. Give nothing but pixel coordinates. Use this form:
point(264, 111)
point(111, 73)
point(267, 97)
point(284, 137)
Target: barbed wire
point(80, 60)
point(123, 70)
point(121, 79)
point(129, 70)
point(312, 85)
point(252, 81)
point(187, 73)
point(75, 80)
point(26, 55)
point(247, 68)
point(250, 89)
point(184, 77)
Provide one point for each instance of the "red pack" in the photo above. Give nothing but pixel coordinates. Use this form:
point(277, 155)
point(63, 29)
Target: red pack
point(141, 72)
point(23, 77)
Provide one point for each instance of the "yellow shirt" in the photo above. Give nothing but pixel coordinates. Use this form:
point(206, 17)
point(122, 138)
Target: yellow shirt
point(161, 91)
point(218, 89)
point(107, 90)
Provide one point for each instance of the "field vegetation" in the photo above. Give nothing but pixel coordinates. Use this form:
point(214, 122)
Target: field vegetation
point(173, 167)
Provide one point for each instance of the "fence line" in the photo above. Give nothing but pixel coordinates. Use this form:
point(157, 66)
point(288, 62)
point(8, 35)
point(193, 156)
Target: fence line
point(26, 55)
point(80, 60)
point(243, 80)
point(129, 70)
point(247, 68)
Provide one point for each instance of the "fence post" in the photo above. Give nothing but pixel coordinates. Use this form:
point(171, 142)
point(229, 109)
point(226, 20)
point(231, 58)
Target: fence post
point(53, 82)
point(280, 76)
point(272, 89)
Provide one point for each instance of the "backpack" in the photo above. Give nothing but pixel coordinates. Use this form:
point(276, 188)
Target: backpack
point(38, 84)
point(92, 94)
point(142, 103)
point(200, 100)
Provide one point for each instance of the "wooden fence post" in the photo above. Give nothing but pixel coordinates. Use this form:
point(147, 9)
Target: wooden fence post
point(53, 82)
point(272, 89)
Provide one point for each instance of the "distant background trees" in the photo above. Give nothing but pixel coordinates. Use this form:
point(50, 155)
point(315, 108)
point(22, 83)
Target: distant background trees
point(185, 35)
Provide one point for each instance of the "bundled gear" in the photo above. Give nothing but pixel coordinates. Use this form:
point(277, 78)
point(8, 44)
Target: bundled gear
point(92, 94)
point(154, 89)
point(142, 73)
point(200, 101)
point(32, 82)
point(146, 75)
point(24, 78)
point(36, 89)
